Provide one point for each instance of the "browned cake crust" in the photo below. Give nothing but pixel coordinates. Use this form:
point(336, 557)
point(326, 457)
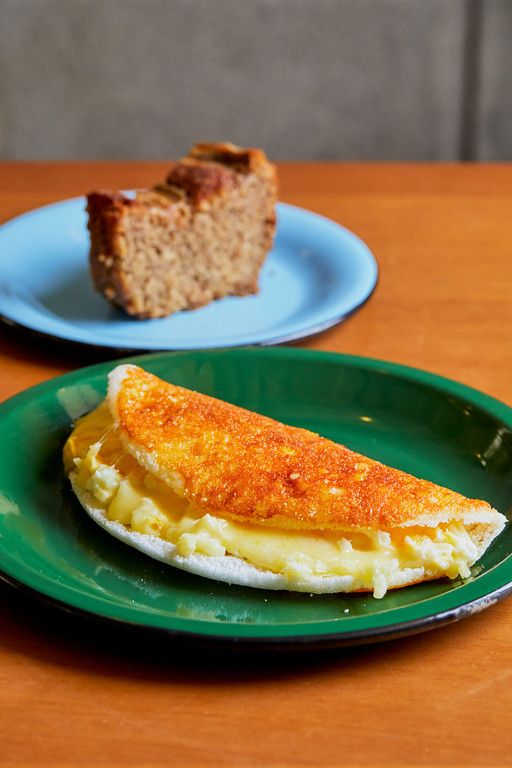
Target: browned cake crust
point(201, 235)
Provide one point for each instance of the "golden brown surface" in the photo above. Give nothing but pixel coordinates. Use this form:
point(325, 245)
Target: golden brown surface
point(239, 464)
point(247, 160)
point(213, 169)
point(202, 182)
point(74, 694)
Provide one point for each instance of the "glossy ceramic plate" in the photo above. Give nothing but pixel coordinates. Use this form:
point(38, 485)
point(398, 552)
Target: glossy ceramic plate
point(317, 274)
point(413, 420)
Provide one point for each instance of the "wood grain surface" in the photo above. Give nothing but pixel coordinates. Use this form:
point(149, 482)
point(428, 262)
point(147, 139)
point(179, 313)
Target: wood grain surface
point(72, 693)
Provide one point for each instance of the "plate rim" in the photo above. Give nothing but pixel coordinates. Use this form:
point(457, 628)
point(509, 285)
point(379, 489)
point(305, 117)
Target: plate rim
point(371, 283)
point(304, 641)
point(305, 637)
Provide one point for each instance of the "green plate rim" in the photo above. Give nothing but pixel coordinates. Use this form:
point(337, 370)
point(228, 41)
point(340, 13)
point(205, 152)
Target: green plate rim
point(472, 596)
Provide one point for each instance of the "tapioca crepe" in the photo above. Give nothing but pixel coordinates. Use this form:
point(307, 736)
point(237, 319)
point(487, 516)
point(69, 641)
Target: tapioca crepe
point(232, 495)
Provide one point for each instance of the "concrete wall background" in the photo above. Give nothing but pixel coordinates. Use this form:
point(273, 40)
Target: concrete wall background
point(306, 79)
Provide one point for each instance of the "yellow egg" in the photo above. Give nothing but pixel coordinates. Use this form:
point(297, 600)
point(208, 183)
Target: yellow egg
point(145, 504)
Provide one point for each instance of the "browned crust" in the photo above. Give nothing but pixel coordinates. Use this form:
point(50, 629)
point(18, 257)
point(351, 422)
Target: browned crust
point(242, 465)
point(245, 160)
point(205, 175)
point(106, 223)
point(211, 170)
point(106, 211)
point(202, 181)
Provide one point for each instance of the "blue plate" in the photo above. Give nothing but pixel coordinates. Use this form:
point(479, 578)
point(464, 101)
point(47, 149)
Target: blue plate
point(317, 274)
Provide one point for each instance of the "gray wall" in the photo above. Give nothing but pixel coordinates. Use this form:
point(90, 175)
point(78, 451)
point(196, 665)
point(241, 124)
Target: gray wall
point(311, 79)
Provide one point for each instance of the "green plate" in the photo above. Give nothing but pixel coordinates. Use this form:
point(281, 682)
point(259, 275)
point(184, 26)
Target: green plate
point(426, 425)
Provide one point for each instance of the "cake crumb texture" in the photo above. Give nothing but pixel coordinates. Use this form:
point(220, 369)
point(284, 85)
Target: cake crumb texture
point(202, 234)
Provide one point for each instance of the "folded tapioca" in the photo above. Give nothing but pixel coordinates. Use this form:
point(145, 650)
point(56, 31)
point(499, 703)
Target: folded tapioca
point(235, 496)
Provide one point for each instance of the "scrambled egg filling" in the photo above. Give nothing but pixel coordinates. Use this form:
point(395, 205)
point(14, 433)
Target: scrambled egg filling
point(139, 500)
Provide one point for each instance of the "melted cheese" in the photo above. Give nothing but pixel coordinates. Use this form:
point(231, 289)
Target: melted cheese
point(374, 559)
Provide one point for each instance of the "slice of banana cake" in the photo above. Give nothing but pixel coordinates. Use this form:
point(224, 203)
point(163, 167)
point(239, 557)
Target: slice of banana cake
point(201, 235)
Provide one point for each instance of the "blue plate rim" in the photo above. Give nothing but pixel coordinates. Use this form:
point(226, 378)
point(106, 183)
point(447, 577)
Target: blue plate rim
point(302, 332)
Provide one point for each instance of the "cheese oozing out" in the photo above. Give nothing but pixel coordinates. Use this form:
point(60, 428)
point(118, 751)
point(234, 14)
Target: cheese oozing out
point(375, 560)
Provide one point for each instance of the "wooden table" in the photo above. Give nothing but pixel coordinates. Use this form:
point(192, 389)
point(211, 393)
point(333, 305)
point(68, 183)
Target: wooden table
point(73, 694)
